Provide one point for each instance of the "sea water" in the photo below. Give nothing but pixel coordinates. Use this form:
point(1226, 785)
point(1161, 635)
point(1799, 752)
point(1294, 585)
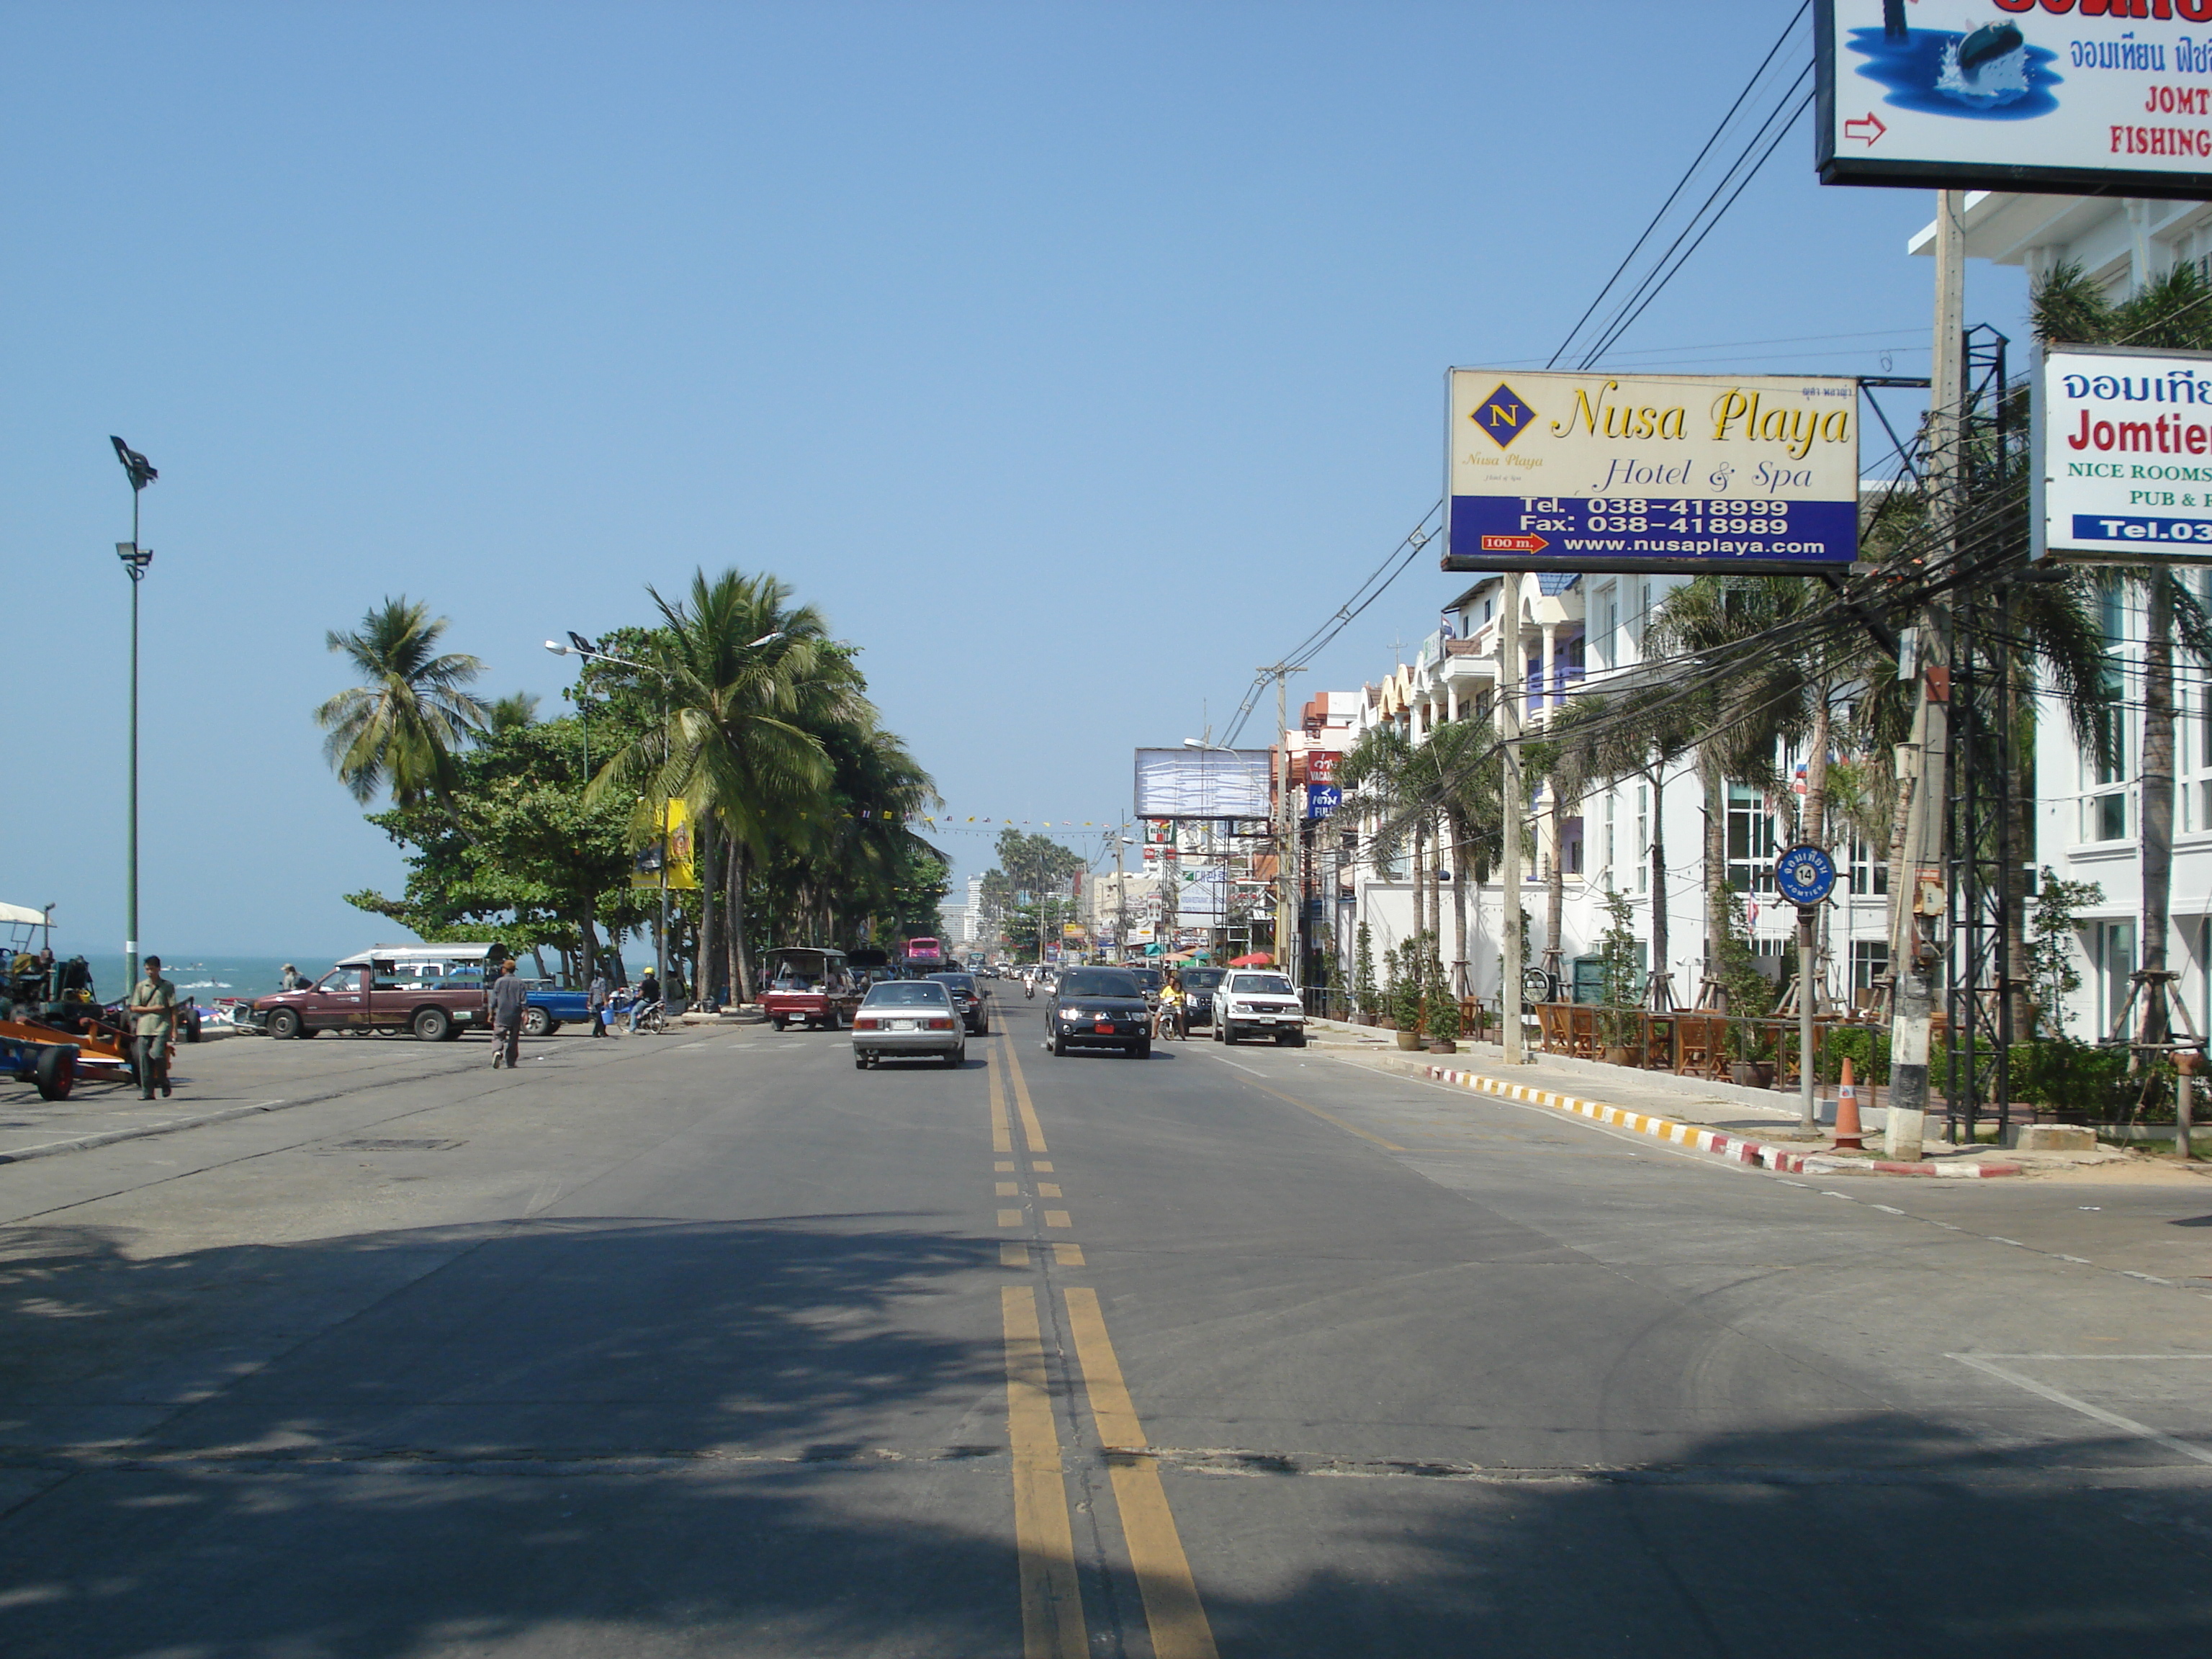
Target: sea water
point(201, 978)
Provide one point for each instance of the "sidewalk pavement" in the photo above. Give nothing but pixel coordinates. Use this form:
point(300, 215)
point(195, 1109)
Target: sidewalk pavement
point(1734, 1123)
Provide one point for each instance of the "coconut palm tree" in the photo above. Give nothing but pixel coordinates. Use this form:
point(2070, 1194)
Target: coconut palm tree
point(399, 730)
point(1459, 769)
point(742, 672)
point(1376, 775)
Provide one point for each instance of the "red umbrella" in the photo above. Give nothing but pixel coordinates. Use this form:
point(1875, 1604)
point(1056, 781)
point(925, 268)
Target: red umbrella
point(1258, 959)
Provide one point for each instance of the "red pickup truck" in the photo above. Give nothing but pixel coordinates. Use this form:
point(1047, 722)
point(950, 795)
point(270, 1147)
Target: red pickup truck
point(808, 985)
point(436, 991)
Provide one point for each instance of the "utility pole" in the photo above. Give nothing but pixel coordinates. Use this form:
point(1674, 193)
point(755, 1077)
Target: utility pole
point(1288, 957)
point(1916, 904)
point(1509, 869)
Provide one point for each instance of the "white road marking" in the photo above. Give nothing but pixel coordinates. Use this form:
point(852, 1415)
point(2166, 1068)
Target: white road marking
point(2098, 1414)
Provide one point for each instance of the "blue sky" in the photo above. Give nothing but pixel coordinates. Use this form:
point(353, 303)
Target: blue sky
point(1074, 358)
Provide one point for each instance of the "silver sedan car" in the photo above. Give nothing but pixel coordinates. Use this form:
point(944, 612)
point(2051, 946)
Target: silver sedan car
point(909, 1016)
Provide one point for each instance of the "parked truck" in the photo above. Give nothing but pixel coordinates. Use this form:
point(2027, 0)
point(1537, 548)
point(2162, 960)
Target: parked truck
point(436, 991)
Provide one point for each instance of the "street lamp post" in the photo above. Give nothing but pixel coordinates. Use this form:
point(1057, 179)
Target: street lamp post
point(135, 560)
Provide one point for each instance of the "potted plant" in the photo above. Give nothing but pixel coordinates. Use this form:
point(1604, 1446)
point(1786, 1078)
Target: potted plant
point(1365, 997)
point(1618, 975)
point(1749, 997)
point(1440, 1011)
point(1403, 991)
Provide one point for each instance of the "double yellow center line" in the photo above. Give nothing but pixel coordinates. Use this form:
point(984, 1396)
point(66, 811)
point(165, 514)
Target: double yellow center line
point(1052, 1625)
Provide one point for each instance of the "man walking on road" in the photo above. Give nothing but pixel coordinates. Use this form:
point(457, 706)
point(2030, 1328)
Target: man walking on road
point(596, 1001)
point(154, 1006)
point(508, 994)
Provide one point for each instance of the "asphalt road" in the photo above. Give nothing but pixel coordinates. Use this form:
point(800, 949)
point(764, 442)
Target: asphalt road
point(710, 1344)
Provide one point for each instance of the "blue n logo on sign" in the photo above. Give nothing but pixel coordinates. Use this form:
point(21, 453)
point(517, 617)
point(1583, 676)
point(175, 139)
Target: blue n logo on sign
point(1502, 415)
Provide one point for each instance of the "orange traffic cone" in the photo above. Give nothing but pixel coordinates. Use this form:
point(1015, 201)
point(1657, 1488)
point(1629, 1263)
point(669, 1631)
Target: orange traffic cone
point(1847, 1133)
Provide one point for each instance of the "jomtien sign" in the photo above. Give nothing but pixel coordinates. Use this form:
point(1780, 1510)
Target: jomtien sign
point(1549, 471)
point(2123, 441)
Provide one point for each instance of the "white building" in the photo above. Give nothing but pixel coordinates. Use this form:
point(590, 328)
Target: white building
point(2088, 820)
point(1585, 632)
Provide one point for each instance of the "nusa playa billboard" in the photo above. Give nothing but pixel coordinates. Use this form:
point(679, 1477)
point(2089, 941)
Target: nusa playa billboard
point(1661, 472)
point(2123, 442)
point(2087, 97)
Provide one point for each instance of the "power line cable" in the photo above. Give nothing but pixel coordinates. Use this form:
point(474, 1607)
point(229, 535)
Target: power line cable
point(1682, 183)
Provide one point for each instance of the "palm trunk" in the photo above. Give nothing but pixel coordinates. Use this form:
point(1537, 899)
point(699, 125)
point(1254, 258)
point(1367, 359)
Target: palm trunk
point(1436, 883)
point(702, 978)
point(1555, 889)
point(1420, 876)
point(741, 960)
point(1459, 977)
point(1716, 860)
point(2157, 801)
point(1814, 823)
point(1662, 939)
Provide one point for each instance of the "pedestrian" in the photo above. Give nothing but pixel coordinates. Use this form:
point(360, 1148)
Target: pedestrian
point(596, 1000)
point(508, 994)
point(154, 1006)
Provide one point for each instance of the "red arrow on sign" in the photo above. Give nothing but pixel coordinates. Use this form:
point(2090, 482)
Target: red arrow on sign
point(1514, 543)
point(1868, 126)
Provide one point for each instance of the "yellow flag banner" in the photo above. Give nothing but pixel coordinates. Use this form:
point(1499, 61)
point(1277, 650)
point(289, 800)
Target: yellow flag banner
point(678, 849)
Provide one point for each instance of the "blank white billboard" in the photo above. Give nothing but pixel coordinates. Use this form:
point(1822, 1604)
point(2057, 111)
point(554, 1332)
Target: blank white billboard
point(1203, 783)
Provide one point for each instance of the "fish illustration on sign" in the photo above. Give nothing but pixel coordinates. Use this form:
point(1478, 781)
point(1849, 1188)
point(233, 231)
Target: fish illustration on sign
point(1988, 71)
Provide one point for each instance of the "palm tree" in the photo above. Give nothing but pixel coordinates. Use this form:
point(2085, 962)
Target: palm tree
point(397, 731)
point(751, 685)
point(1603, 737)
point(1376, 775)
point(1459, 769)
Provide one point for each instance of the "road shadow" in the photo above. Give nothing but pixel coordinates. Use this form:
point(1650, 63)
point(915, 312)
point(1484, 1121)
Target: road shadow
point(1869, 1536)
point(644, 1437)
point(770, 1437)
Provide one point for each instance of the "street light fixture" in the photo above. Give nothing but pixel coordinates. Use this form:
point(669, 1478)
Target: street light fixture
point(135, 558)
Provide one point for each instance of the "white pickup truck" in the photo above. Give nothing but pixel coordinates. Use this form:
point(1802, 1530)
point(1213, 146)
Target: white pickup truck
point(1255, 1002)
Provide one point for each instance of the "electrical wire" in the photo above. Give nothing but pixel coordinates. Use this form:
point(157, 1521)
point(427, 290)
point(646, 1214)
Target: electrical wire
point(1682, 184)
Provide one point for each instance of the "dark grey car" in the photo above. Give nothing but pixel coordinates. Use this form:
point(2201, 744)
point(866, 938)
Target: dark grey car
point(1100, 1007)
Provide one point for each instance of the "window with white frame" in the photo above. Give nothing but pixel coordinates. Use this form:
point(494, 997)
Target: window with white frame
point(1612, 869)
point(1604, 627)
point(1643, 838)
point(1750, 842)
point(2112, 952)
point(2192, 761)
point(2104, 781)
point(1869, 872)
point(1870, 962)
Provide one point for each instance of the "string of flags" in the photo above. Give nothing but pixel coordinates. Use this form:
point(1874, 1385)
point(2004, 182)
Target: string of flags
point(952, 821)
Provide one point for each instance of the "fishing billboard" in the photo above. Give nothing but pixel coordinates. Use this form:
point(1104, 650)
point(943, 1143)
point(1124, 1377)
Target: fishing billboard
point(2123, 445)
point(1677, 472)
point(2078, 97)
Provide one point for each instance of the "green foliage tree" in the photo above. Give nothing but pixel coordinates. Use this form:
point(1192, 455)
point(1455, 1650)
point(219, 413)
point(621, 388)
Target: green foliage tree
point(516, 852)
point(2051, 956)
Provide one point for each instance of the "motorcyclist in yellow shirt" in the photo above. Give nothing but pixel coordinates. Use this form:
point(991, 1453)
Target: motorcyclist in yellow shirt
point(1170, 1021)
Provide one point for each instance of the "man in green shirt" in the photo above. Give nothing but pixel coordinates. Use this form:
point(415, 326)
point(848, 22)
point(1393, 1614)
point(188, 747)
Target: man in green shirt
point(154, 1006)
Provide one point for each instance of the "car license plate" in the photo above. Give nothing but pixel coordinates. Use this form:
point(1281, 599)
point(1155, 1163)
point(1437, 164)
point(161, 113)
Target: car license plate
point(1105, 1026)
point(899, 1025)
